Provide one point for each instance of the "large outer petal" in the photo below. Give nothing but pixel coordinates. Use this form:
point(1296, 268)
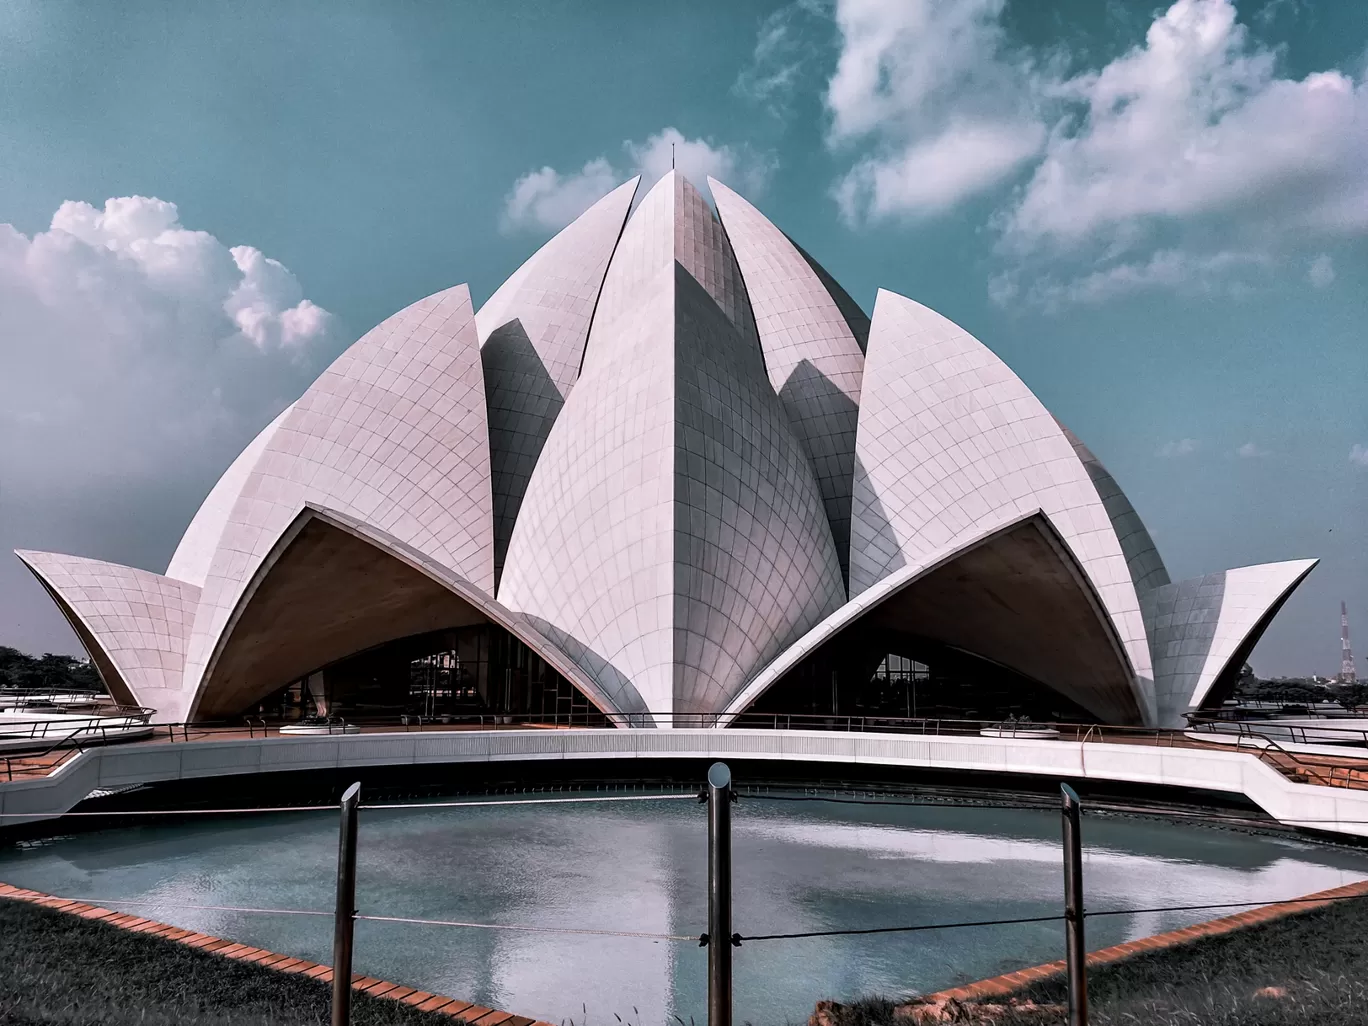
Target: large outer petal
point(813, 352)
point(333, 586)
point(195, 553)
point(1012, 593)
point(1143, 561)
point(949, 437)
point(133, 623)
point(393, 433)
point(532, 333)
point(1202, 629)
point(672, 538)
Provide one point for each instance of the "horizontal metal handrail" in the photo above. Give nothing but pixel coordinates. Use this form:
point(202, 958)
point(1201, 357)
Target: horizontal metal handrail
point(137, 715)
point(1272, 753)
point(1248, 738)
point(71, 743)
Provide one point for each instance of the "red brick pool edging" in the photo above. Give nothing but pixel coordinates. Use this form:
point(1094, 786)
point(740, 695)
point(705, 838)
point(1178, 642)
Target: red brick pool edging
point(471, 1013)
point(1010, 983)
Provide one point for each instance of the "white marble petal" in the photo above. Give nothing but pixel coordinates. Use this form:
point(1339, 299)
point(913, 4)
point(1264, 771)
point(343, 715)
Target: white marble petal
point(813, 338)
point(950, 438)
point(672, 538)
point(532, 334)
point(1201, 629)
point(134, 624)
point(393, 433)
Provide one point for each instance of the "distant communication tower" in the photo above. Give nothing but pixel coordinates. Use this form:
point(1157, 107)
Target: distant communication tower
point(1347, 674)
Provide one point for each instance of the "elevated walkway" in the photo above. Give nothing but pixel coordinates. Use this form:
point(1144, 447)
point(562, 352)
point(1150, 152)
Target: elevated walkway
point(1283, 792)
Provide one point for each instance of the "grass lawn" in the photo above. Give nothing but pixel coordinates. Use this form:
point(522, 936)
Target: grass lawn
point(59, 970)
point(1309, 969)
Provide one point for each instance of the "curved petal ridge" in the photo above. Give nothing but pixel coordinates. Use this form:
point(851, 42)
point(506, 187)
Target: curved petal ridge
point(134, 624)
point(554, 292)
point(674, 224)
point(1143, 561)
point(672, 528)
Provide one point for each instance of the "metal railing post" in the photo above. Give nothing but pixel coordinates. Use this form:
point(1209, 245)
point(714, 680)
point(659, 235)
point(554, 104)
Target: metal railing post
point(1076, 953)
point(344, 917)
point(719, 895)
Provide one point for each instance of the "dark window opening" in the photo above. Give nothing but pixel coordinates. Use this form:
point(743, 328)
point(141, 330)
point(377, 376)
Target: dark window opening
point(893, 675)
point(466, 673)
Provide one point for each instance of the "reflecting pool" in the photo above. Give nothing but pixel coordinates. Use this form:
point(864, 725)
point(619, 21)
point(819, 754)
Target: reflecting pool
point(640, 867)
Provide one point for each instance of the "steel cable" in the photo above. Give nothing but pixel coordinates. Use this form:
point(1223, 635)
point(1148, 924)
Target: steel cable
point(692, 796)
point(900, 929)
point(1045, 919)
point(1311, 899)
point(159, 903)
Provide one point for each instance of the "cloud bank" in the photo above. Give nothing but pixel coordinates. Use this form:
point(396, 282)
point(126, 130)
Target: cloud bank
point(937, 97)
point(127, 337)
point(1189, 162)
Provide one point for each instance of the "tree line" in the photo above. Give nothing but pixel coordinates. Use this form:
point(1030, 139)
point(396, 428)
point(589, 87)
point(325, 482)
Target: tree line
point(46, 672)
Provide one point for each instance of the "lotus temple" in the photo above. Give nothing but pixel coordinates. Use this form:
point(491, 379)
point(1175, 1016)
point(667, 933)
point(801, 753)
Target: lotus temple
point(670, 474)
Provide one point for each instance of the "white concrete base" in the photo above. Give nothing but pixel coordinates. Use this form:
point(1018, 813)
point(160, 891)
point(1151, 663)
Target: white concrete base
point(308, 729)
point(1335, 810)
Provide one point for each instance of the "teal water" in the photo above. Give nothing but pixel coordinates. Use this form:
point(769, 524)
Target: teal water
point(640, 867)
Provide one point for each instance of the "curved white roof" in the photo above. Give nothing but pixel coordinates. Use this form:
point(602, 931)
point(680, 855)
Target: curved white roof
point(1010, 593)
point(659, 435)
point(302, 621)
point(190, 562)
point(553, 294)
point(1143, 561)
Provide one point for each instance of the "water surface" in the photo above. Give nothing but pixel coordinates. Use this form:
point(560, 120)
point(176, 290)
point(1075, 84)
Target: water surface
point(641, 867)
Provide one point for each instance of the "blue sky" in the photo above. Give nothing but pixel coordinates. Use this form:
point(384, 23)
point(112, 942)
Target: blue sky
point(1156, 215)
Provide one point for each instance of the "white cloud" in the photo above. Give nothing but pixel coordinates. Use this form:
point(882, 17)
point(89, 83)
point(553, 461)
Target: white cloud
point(1358, 455)
point(1169, 270)
point(1182, 447)
point(934, 91)
point(784, 52)
point(1250, 451)
point(1321, 272)
point(1196, 126)
point(1193, 149)
point(549, 200)
point(932, 175)
point(130, 343)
